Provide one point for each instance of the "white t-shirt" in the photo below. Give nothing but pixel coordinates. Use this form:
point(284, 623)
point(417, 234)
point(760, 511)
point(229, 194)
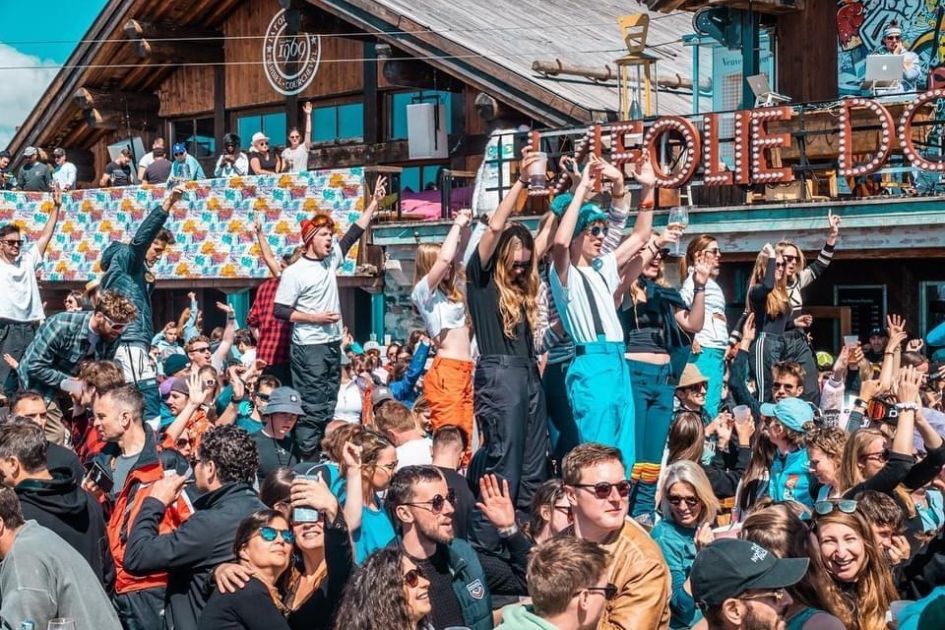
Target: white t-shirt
point(437, 311)
point(19, 288)
point(574, 306)
point(714, 333)
point(65, 176)
point(147, 160)
point(415, 453)
point(349, 405)
point(296, 160)
point(311, 286)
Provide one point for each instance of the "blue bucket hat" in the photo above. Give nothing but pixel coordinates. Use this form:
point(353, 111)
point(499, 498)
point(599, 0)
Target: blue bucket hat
point(791, 412)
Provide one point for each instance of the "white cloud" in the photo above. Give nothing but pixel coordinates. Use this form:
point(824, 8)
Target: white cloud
point(21, 88)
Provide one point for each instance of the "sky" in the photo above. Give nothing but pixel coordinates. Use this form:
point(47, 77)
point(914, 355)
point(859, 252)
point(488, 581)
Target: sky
point(35, 34)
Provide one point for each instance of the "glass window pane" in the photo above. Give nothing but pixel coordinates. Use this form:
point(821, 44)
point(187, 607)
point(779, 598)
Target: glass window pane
point(398, 111)
point(274, 127)
point(183, 129)
point(429, 176)
point(410, 178)
point(324, 127)
point(247, 126)
point(351, 121)
point(204, 143)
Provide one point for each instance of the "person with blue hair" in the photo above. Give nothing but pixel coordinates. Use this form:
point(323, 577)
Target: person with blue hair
point(583, 284)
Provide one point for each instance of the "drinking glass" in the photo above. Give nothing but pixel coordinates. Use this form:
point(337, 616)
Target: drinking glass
point(63, 623)
point(538, 175)
point(678, 221)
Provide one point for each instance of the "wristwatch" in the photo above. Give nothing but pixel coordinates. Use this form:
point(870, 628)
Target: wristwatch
point(508, 532)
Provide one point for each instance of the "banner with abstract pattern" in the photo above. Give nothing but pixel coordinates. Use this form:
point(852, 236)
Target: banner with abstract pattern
point(212, 224)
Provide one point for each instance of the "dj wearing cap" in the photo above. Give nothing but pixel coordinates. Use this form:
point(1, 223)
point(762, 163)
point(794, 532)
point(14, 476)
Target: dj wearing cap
point(739, 584)
point(308, 297)
point(911, 64)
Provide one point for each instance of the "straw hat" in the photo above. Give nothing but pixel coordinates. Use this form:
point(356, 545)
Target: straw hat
point(691, 376)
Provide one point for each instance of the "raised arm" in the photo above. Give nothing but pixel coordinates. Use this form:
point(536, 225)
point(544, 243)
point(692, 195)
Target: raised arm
point(51, 222)
point(490, 239)
point(226, 341)
point(643, 226)
point(264, 250)
point(307, 138)
point(449, 249)
point(195, 398)
point(151, 225)
point(896, 326)
point(692, 320)
point(561, 250)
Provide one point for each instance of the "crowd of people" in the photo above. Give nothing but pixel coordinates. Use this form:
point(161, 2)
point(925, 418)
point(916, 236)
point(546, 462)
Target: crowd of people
point(570, 441)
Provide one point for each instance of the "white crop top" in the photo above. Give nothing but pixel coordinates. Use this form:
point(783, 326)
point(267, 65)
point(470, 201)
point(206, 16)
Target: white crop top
point(438, 313)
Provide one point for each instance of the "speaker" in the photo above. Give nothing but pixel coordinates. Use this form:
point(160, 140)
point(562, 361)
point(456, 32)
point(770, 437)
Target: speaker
point(426, 131)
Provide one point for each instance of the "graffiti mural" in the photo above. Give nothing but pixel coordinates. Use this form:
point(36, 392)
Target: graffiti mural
point(860, 25)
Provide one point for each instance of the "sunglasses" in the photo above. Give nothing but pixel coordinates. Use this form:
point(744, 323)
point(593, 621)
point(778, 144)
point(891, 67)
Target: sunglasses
point(598, 230)
point(523, 265)
point(269, 534)
point(294, 137)
point(689, 501)
point(847, 506)
point(13, 243)
point(263, 397)
point(698, 387)
point(437, 503)
point(180, 154)
point(116, 326)
point(779, 265)
point(715, 251)
point(663, 253)
point(204, 349)
point(564, 509)
point(602, 489)
point(790, 259)
point(777, 595)
point(209, 384)
point(412, 577)
point(609, 591)
point(882, 456)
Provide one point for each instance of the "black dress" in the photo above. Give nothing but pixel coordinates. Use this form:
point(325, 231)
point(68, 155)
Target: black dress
point(250, 608)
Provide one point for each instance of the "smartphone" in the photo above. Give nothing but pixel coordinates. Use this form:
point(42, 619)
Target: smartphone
point(101, 477)
point(306, 514)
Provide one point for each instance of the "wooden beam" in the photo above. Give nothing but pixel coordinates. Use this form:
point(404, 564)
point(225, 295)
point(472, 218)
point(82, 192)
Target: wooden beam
point(92, 98)
point(136, 29)
point(372, 102)
point(179, 52)
point(358, 155)
point(409, 73)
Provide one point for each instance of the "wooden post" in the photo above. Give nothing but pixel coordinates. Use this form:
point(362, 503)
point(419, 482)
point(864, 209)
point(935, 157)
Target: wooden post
point(219, 105)
point(372, 108)
point(89, 98)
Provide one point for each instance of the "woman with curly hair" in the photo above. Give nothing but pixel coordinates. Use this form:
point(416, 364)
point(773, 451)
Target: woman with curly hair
point(508, 399)
point(825, 451)
point(778, 529)
point(861, 586)
point(388, 592)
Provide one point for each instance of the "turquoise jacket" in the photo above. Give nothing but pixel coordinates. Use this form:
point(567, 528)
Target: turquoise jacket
point(791, 479)
point(678, 545)
point(521, 617)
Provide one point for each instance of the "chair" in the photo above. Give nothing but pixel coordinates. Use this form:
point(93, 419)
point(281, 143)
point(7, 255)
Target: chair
point(633, 30)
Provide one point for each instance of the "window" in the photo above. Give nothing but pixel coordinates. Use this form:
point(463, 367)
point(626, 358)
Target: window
point(418, 178)
point(197, 134)
point(271, 124)
point(400, 100)
point(338, 122)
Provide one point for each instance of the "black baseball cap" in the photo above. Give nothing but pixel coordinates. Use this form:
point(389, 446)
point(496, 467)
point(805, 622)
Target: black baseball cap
point(729, 567)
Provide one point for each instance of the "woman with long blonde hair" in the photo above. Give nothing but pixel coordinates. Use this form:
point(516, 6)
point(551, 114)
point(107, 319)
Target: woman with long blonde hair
point(861, 587)
point(447, 386)
point(768, 300)
point(509, 403)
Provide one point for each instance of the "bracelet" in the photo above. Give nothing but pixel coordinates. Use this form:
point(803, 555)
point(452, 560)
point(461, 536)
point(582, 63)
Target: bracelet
point(699, 289)
point(613, 196)
point(907, 406)
point(647, 205)
point(523, 182)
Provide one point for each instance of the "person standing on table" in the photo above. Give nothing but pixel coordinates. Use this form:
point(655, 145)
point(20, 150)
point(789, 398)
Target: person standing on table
point(710, 343)
point(508, 399)
point(308, 297)
point(583, 285)
point(21, 309)
point(796, 345)
point(127, 268)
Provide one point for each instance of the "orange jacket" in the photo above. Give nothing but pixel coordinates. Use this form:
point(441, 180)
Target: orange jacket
point(126, 508)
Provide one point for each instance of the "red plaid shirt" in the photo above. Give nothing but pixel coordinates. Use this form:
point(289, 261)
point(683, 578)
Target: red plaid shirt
point(275, 335)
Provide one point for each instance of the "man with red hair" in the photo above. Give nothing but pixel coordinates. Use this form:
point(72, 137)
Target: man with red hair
point(308, 297)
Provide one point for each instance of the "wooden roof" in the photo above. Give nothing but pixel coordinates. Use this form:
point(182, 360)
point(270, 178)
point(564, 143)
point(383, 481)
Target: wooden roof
point(495, 42)
point(56, 120)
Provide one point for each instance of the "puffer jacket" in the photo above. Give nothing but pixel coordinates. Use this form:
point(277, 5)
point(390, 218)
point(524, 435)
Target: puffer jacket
point(126, 271)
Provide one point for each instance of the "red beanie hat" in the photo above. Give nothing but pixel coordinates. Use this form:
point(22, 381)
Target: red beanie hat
point(310, 226)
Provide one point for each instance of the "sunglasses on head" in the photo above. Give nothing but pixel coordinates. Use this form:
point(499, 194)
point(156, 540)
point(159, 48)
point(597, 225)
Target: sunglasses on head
point(677, 501)
point(412, 577)
point(437, 503)
point(602, 489)
point(269, 534)
point(847, 506)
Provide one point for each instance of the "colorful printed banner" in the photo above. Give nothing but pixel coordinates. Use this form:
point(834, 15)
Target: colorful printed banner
point(212, 223)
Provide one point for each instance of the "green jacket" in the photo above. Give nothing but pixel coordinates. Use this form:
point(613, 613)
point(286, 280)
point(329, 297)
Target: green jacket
point(522, 618)
point(125, 273)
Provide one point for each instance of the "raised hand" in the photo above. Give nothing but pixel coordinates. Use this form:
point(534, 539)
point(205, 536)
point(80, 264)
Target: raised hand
point(909, 381)
point(351, 454)
point(463, 217)
point(307, 107)
point(748, 328)
point(833, 225)
point(226, 308)
point(496, 502)
point(804, 321)
point(643, 172)
point(915, 345)
point(380, 189)
point(702, 270)
point(196, 394)
point(57, 196)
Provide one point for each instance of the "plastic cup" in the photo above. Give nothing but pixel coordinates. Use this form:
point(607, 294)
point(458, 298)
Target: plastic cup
point(538, 175)
point(742, 413)
point(851, 340)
